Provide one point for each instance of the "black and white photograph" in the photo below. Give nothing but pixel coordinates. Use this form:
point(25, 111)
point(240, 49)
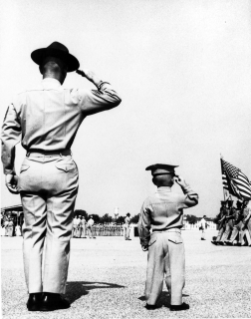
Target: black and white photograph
point(126, 159)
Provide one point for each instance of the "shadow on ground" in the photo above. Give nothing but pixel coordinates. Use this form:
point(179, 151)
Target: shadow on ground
point(77, 289)
point(164, 299)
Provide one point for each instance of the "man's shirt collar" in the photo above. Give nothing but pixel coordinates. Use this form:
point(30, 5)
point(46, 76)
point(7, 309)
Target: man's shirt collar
point(164, 189)
point(50, 83)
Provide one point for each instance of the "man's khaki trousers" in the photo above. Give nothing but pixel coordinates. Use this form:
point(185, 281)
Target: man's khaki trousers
point(127, 231)
point(166, 262)
point(220, 233)
point(203, 233)
point(237, 231)
point(48, 187)
point(228, 231)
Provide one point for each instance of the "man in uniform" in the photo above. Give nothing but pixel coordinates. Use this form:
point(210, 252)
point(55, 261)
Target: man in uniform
point(246, 223)
point(81, 228)
point(89, 227)
point(127, 227)
point(74, 226)
point(237, 228)
point(220, 222)
point(229, 223)
point(46, 120)
point(203, 225)
point(163, 213)
point(83, 234)
point(78, 228)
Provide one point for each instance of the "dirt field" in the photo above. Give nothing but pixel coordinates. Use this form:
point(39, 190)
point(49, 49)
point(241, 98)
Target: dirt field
point(106, 280)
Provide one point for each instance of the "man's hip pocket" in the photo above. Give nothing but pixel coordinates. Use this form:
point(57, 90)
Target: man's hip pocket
point(175, 238)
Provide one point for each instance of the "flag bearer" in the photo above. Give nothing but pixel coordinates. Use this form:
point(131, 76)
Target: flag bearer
point(229, 223)
point(221, 218)
point(246, 228)
point(238, 224)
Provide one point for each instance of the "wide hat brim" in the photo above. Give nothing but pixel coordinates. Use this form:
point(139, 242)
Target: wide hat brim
point(39, 55)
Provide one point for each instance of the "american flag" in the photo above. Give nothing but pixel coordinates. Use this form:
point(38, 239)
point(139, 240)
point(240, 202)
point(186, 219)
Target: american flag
point(235, 181)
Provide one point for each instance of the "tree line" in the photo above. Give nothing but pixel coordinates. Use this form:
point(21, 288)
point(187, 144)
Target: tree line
point(191, 219)
point(106, 218)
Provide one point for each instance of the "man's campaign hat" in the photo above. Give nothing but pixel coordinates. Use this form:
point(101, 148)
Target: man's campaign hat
point(57, 50)
point(161, 169)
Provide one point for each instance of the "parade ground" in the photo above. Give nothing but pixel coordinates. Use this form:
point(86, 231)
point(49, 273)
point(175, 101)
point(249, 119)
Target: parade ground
point(107, 274)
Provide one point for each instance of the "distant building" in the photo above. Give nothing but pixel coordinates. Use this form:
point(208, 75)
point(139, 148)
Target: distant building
point(12, 209)
point(187, 225)
point(16, 212)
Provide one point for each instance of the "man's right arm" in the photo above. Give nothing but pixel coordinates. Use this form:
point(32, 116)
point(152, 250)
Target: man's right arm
point(191, 198)
point(102, 99)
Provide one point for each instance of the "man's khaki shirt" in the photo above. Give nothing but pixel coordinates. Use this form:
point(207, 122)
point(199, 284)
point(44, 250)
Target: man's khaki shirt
point(164, 211)
point(48, 118)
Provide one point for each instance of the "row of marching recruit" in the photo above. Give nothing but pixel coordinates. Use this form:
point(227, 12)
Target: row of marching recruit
point(86, 227)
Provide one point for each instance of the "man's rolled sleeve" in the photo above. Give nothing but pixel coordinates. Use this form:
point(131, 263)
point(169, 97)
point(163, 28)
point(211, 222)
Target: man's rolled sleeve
point(11, 134)
point(144, 224)
point(102, 99)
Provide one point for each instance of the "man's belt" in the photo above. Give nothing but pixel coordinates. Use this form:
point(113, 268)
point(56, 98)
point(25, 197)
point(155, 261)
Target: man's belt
point(177, 230)
point(42, 153)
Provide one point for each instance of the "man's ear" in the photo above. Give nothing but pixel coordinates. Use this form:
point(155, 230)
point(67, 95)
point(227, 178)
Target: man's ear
point(154, 181)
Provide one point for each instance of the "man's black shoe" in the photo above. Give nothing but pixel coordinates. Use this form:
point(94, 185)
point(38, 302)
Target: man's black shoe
point(34, 301)
point(151, 307)
point(52, 302)
point(183, 306)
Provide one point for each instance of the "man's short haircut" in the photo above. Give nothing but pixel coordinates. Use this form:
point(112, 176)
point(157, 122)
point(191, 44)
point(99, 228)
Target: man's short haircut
point(51, 64)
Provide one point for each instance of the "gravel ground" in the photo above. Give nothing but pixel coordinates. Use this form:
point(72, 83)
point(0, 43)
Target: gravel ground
point(106, 280)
